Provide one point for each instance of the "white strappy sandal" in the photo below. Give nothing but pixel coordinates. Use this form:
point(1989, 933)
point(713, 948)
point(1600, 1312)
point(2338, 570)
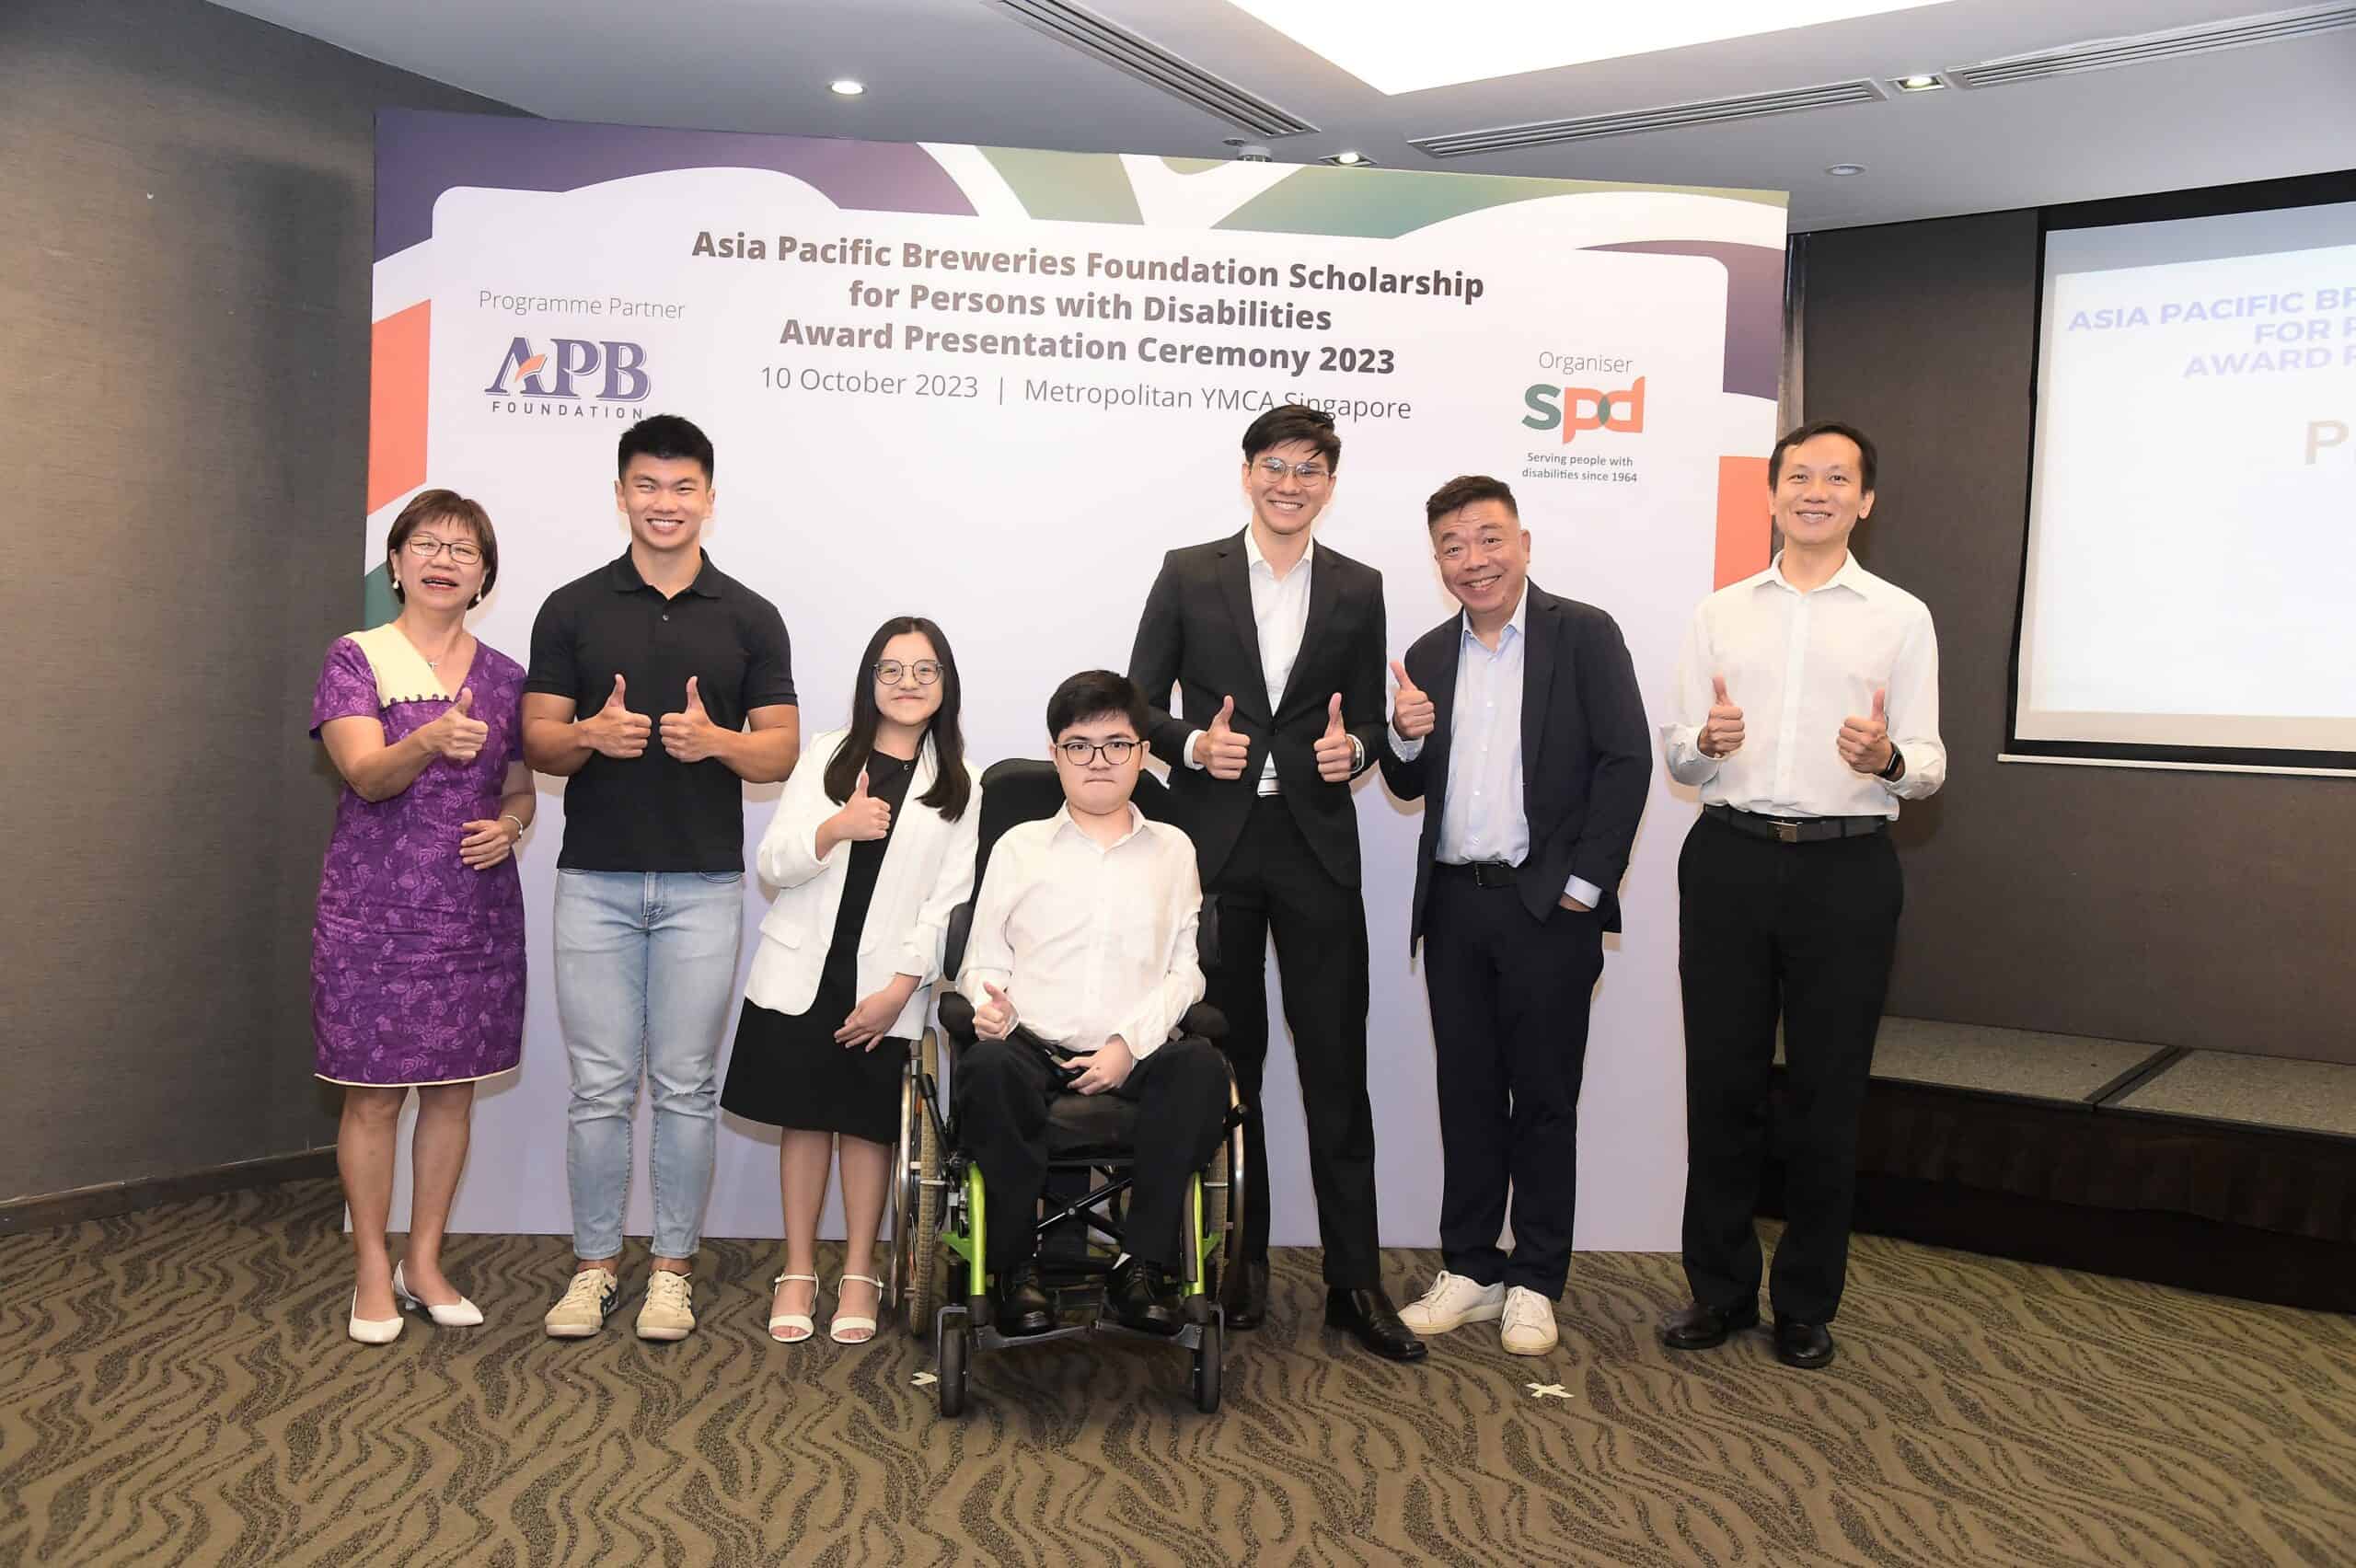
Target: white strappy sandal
point(836, 1330)
point(799, 1324)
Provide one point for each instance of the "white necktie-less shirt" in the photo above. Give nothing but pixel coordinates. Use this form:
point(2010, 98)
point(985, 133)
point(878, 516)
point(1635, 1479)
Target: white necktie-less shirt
point(1089, 940)
point(1280, 612)
point(1798, 665)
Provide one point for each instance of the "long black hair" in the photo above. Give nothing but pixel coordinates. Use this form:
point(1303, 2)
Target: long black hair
point(953, 789)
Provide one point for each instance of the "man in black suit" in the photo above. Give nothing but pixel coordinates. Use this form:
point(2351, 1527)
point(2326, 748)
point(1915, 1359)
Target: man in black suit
point(1532, 751)
point(1277, 648)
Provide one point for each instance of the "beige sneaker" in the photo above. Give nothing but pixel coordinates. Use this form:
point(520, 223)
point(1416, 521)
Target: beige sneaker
point(1452, 1302)
point(1530, 1322)
point(669, 1312)
point(581, 1310)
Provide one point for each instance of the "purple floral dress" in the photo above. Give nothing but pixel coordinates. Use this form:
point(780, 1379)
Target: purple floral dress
point(417, 960)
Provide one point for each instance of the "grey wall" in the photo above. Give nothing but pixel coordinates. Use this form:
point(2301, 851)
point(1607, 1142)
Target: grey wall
point(184, 272)
point(2198, 909)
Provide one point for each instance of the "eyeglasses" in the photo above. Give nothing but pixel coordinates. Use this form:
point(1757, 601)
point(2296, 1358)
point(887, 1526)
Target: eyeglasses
point(425, 547)
point(889, 671)
point(1080, 754)
point(1309, 472)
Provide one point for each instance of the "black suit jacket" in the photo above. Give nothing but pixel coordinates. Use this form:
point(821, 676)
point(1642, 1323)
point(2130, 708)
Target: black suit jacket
point(1197, 632)
point(1587, 754)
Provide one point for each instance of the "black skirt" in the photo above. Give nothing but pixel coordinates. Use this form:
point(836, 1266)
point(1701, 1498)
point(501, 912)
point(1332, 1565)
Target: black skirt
point(788, 1071)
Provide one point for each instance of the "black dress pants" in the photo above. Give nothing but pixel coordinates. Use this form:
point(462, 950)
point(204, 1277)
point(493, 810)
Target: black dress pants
point(1510, 1000)
point(1002, 1090)
point(1273, 883)
point(1805, 931)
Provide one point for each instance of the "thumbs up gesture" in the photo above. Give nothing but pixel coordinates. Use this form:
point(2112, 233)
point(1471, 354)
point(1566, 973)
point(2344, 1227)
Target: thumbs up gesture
point(1334, 750)
point(689, 734)
point(1865, 743)
point(863, 816)
point(1222, 749)
point(1411, 709)
point(614, 730)
point(1722, 732)
point(994, 1020)
point(458, 734)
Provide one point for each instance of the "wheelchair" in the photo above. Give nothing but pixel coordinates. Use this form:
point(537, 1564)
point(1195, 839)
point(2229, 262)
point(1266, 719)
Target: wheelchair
point(936, 1275)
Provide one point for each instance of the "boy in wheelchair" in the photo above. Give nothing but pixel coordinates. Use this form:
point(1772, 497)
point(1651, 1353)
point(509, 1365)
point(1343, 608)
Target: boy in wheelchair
point(1079, 963)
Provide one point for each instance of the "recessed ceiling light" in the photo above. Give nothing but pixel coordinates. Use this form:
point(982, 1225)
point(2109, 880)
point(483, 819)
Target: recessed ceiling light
point(1349, 159)
point(1918, 84)
point(846, 86)
point(1845, 170)
point(1395, 49)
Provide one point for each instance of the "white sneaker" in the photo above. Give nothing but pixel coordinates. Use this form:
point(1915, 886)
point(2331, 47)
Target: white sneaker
point(669, 1312)
point(1452, 1302)
point(581, 1310)
point(1530, 1322)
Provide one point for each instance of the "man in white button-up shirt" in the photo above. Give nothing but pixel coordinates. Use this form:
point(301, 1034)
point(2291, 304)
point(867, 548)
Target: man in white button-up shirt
point(1079, 963)
point(1807, 707)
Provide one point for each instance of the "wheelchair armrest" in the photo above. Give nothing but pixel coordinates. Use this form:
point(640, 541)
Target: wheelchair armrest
point(1205, 1020)
point(957, 1011)
point(952, 946)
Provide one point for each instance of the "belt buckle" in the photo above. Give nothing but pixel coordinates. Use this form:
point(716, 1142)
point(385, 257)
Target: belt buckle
point(1787, 831)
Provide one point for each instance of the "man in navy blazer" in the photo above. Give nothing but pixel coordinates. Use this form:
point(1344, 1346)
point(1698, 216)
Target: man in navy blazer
point(1520, 723)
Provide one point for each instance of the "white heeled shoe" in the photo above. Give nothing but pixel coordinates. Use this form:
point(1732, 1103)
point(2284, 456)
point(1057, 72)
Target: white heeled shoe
point(801, 1322)
point(842, 1321)
point(463, 1314)
point(372, 1331)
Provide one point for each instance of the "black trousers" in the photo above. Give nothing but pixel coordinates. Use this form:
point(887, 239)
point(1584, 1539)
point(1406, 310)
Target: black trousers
point(1805, 931)
point(1002, 1090)
point(1510, 1010)
point(1273, 883)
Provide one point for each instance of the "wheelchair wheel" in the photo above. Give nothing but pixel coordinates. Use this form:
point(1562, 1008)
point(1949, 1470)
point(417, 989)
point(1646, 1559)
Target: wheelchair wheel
point(1223, 1210)
point(956, 1341)
point(1204, 1381)
point(916, 1241)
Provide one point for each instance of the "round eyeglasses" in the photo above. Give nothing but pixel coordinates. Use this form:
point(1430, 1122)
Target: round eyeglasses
point(890, 671)
point(1308, 473)
point(425, 547)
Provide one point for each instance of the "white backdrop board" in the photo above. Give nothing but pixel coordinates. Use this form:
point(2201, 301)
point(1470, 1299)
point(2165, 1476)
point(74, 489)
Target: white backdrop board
point(993, 388)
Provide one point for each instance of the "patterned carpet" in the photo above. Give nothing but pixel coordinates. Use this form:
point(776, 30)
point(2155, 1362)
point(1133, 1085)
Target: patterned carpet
point(175, 1387)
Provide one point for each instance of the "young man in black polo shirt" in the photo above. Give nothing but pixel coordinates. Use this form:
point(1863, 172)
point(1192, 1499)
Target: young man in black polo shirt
point(686, 681)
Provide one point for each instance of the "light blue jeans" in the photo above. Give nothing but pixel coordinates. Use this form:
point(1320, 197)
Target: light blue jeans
point(645, 974)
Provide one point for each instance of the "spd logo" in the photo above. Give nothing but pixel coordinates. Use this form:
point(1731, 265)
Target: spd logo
point(614, 372)
point(1575, 409)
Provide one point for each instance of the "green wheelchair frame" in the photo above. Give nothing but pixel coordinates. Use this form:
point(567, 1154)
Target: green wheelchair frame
point(937, 1276)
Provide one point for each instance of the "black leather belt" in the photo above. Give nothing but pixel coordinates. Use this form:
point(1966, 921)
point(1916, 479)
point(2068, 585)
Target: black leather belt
point(1796, 830)
point(1483, 873)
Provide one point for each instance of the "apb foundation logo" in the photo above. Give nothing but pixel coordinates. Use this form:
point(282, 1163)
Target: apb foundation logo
point(572, 378)
point(1575, 409)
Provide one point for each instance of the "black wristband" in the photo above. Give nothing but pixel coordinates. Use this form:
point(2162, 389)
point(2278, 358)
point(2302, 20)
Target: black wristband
point(1891, 769)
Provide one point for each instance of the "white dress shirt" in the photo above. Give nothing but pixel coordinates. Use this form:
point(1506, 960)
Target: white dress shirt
point(1482, 817)
point(1089, 942)
point(1280, 608)
point(1798, 665)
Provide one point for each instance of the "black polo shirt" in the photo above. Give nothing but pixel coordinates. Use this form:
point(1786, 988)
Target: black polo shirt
point(653, 813)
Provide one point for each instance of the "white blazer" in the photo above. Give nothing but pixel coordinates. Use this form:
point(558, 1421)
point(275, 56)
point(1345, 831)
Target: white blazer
point(928, 870)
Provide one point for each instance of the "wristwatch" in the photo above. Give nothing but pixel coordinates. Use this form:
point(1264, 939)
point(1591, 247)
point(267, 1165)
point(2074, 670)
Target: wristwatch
point(1895, 769)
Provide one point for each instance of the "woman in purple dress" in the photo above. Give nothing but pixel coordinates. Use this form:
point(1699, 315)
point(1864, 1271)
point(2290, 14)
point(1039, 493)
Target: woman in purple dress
point(417, 955)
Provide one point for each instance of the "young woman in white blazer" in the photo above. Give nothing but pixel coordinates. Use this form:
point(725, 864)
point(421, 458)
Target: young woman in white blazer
point(872, 847)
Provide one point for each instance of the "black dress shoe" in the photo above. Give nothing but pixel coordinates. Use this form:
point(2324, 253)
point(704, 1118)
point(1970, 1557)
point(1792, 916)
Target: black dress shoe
point(1022, 1306)
point(1244, 1294)
point(1805, 1345)
point(1707, 1328)
point(1369, 1314)
point(1144, 1296)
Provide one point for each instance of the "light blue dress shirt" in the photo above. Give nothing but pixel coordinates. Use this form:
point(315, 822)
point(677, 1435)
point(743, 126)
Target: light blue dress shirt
point(1483, 818)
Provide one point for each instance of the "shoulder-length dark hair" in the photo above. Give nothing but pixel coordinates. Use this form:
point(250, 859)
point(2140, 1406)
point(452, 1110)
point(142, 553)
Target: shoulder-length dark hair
point(953, 789)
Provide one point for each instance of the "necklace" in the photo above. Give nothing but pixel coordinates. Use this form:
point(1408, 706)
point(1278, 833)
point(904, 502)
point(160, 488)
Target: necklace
point(447, 648)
